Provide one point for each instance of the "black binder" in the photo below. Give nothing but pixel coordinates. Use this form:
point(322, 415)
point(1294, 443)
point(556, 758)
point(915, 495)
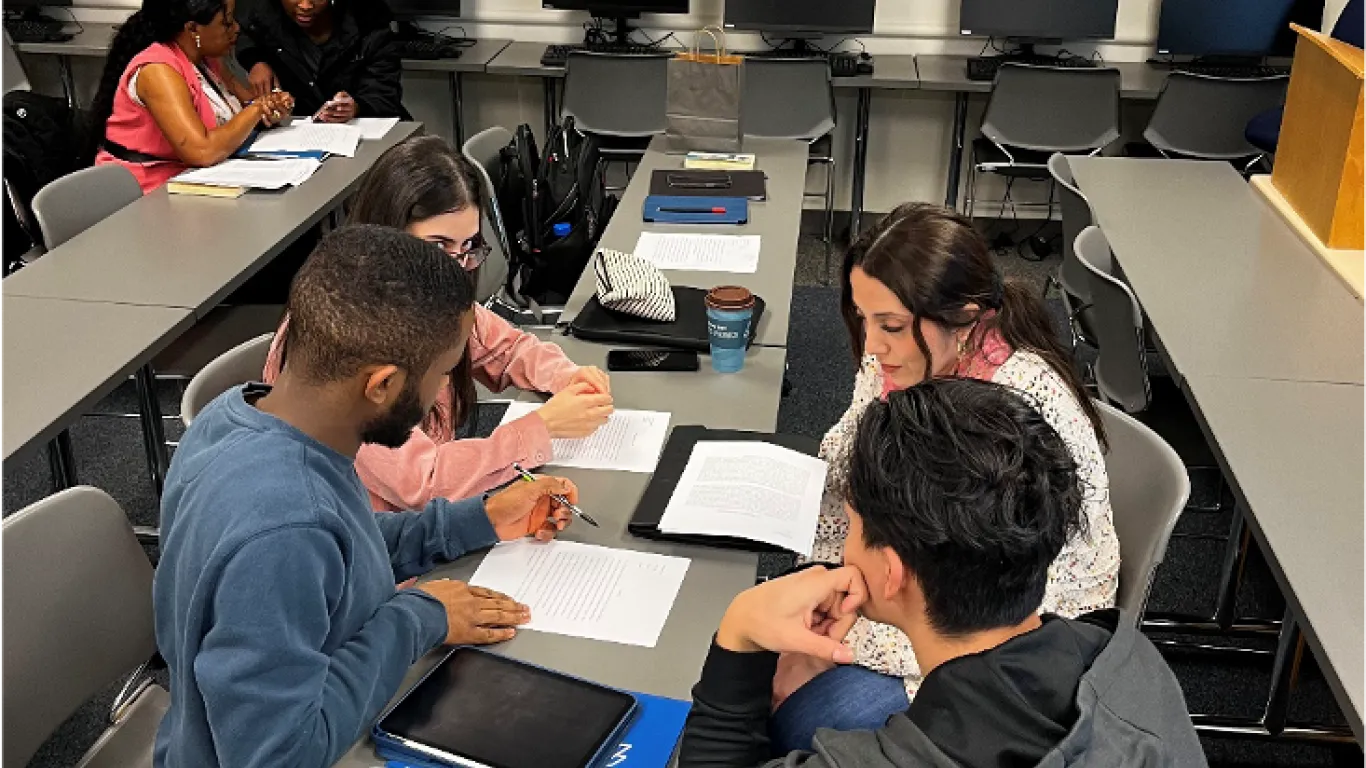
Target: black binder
point(687, 332)
point(674, 459)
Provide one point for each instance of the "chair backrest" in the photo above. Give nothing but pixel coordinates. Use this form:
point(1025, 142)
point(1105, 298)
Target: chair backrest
point(1076, 216)
point(616, 95)
point(1053, 109)
point(1206, 117)
point(77, 201)
point(14, 76)
point(484, 149)
point(788, 99)
point(77, 611)
point(1121, 368)
point(1349, 27)
point(1149, 487)
point(239, 365)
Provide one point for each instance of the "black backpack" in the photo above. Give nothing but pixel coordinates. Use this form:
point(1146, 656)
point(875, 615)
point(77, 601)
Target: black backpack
point(42, 142)
point(536, 192)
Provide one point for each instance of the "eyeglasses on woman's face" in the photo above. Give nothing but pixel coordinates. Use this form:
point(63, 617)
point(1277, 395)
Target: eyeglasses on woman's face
point(470, 253)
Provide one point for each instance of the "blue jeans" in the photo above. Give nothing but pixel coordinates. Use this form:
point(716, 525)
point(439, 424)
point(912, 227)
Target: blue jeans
point(847, 698)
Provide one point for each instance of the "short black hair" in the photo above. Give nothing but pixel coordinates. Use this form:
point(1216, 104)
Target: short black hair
point(374, 295)
point(975, 493)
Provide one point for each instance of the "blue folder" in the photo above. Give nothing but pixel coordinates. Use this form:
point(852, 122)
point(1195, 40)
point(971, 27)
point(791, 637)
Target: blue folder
point(672, 209)
point(653, 735)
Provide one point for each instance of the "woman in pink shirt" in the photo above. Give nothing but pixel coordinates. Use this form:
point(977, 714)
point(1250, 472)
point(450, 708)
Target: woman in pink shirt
point(165, 102)
point(424, 186)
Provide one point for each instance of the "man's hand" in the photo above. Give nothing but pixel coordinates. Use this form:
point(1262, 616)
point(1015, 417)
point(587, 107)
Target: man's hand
point(577, 411)
point(262, 80)
point(594, 377)
point(474, 615)
point(807, 612)
point(340, 109)
point(524, 509)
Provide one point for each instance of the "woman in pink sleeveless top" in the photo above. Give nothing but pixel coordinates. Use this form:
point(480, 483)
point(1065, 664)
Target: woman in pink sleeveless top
point(165, 102)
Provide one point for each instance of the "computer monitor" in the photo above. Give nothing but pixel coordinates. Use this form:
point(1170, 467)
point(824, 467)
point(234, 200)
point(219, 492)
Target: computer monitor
point(1038, 19)
point(795, 18)
point(1234, 27)
point(411, 9)
point(618, 9)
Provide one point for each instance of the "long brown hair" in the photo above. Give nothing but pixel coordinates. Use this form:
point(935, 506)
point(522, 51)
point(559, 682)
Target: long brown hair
point(939, 266)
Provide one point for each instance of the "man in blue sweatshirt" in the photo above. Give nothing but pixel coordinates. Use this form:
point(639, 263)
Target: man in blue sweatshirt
point(276, 605)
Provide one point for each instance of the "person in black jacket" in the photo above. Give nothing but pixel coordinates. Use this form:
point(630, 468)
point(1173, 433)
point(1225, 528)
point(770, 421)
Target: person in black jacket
point(960, 497)
point(336, 57)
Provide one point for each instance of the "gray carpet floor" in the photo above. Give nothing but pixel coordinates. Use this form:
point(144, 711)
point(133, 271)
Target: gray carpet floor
point(109, 456)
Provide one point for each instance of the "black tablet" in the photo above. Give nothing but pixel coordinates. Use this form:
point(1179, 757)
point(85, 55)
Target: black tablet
point(477, 708)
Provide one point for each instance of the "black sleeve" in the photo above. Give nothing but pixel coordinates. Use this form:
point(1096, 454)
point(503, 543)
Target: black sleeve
point(378, 90)
point(249, 53)
point(728, 724)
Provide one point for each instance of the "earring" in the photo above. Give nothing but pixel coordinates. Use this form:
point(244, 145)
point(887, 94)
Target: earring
point(196, 41)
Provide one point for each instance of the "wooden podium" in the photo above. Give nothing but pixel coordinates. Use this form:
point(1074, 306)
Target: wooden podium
point(1317, 181)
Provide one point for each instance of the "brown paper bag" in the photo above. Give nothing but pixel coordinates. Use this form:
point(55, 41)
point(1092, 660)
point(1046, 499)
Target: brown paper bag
point(704, 95)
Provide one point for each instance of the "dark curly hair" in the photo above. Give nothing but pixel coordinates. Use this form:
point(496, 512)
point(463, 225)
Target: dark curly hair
point(938, 265)
point(975, 493)
point(157, 21)
point(374, 295)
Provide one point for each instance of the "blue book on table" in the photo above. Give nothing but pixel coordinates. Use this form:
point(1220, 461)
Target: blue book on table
point(652, 737)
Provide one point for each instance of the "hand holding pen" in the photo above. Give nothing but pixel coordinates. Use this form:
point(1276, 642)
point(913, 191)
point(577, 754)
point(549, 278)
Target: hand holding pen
point(563, 501)
point(539, 508)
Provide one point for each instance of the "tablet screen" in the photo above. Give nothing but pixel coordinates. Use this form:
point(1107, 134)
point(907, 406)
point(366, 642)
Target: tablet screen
point(506, 714)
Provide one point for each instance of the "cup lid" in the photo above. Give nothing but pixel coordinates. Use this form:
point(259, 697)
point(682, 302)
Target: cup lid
point(730, 297)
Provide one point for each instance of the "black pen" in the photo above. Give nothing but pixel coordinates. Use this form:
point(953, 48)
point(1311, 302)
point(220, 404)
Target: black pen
point(527, 476)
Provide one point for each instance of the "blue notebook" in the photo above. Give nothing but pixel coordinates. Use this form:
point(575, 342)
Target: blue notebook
point(672, 209)
point(653, 735)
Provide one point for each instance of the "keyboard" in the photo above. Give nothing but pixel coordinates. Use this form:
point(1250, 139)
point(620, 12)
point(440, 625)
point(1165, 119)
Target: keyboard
point(557, 55)
point(428, 48)
point(1242, 71)
point(985, 67)
point(842, 64)
point(36, 31)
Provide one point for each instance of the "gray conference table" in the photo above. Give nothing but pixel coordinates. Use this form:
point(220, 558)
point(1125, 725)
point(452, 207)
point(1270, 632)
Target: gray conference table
point(1292, 450)
point(1137, 80)
point(192, 252)
point(1230, 289)
point(776, 220)
point(63, 356)
point(744, 400)
point(891, 72)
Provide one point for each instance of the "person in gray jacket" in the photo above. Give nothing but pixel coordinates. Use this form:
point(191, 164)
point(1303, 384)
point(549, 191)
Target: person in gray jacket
point(960, 496)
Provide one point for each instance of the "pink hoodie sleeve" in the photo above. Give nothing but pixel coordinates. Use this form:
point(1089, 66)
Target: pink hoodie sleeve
point(503, 356)
point(422, 469)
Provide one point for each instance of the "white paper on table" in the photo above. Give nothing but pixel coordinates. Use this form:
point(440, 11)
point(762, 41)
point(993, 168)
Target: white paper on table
point(253, 174)
point(588, 591)
point(630, 441)
point(700, 253)
point(371, 128)
point(749, 490)
point(308, 136)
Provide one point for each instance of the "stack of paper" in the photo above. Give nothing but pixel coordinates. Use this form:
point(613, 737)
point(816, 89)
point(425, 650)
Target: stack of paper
point(582, 590)
point(629, 441)
point(250, 174)
point(748, 490)
point(371, 128)
point(700, 253)
point(719, 161)
point(308, 136)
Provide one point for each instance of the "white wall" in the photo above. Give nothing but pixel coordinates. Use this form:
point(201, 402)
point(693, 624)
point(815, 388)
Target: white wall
point(910, 130)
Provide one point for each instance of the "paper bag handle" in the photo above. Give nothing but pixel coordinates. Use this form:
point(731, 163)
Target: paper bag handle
point(719, 43)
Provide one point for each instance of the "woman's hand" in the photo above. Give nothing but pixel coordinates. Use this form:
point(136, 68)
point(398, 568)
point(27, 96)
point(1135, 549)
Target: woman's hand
point(275, 107)
point(341, 109)
point(262, 80)
point(594, 377)
point(577, 411)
